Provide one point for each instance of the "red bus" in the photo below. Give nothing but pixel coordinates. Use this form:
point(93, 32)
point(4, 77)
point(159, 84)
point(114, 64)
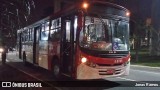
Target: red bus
point(89, 40)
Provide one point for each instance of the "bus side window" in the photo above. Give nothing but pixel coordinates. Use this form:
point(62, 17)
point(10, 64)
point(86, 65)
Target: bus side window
point(44, 35)
point(68, 27)
point(55, 30)
point(55, 35)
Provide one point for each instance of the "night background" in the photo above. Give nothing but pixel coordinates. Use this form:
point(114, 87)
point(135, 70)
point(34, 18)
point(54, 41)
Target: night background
point(142, 11)
point(144, 38)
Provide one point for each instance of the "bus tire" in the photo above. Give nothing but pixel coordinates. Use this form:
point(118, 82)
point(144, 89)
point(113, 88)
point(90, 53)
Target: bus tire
point(56, 70)
point(24, 58)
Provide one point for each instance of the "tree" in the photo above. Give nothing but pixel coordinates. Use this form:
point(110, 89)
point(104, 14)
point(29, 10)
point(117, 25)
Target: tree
point(14, 14)
point(139, 35)
point(47, 11)
point(155, 33)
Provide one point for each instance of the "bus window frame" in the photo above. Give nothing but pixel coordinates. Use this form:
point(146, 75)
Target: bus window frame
point(55, 29)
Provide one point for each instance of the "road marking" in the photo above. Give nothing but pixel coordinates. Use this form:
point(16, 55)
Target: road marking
point(126, 79)
point(145, 66)
point(138, 71)
point(145, 71)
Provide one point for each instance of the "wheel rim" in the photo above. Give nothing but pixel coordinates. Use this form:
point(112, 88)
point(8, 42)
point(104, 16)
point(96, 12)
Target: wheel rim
point(56, 70)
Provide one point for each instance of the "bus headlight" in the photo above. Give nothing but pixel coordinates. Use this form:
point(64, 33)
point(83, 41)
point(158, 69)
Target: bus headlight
point(83, 59)
point(1, 50)
point(87, 62)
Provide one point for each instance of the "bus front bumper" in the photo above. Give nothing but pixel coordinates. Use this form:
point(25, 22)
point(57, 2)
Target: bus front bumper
point(86, 72)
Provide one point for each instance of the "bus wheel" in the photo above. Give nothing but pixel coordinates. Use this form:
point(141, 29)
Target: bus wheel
point(24, 58)
point(56, 70)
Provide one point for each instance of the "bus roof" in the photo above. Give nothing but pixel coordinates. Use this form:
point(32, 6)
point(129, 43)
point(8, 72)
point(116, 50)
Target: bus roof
point(72, 8)
point(78, 6)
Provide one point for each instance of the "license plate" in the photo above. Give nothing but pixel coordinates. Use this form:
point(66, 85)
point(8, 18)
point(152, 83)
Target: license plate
point(110, 71)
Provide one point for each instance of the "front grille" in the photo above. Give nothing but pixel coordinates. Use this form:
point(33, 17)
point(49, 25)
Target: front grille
point(104, 71)
point(119, 64)
point(118, 71)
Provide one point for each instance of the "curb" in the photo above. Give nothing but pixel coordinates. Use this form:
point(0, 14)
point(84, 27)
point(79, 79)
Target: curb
point(146, 66)
point(52, 86)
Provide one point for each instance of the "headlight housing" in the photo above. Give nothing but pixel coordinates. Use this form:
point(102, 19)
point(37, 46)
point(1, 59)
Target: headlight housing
point(91, 64)
point(88, 62)
point(126, 63)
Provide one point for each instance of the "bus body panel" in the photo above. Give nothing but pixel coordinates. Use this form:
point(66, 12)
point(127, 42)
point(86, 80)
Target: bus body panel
point(56, 28)
point(54, 51)
point(102, 68)
point(43, 54)
point(86, 72)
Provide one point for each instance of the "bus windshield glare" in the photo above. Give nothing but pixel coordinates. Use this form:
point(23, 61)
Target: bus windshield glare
point(104, 34)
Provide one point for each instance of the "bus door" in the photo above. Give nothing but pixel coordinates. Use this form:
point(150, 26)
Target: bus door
point(35, 44)
point(67, 44)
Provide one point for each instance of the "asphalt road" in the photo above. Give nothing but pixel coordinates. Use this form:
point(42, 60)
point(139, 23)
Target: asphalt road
point(138, 75)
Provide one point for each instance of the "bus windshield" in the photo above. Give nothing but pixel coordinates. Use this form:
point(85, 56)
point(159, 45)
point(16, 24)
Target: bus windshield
point(105, 34)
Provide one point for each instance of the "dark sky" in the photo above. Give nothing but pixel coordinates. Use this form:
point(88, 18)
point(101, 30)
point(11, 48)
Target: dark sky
point(138, 8)
point(40, 6)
